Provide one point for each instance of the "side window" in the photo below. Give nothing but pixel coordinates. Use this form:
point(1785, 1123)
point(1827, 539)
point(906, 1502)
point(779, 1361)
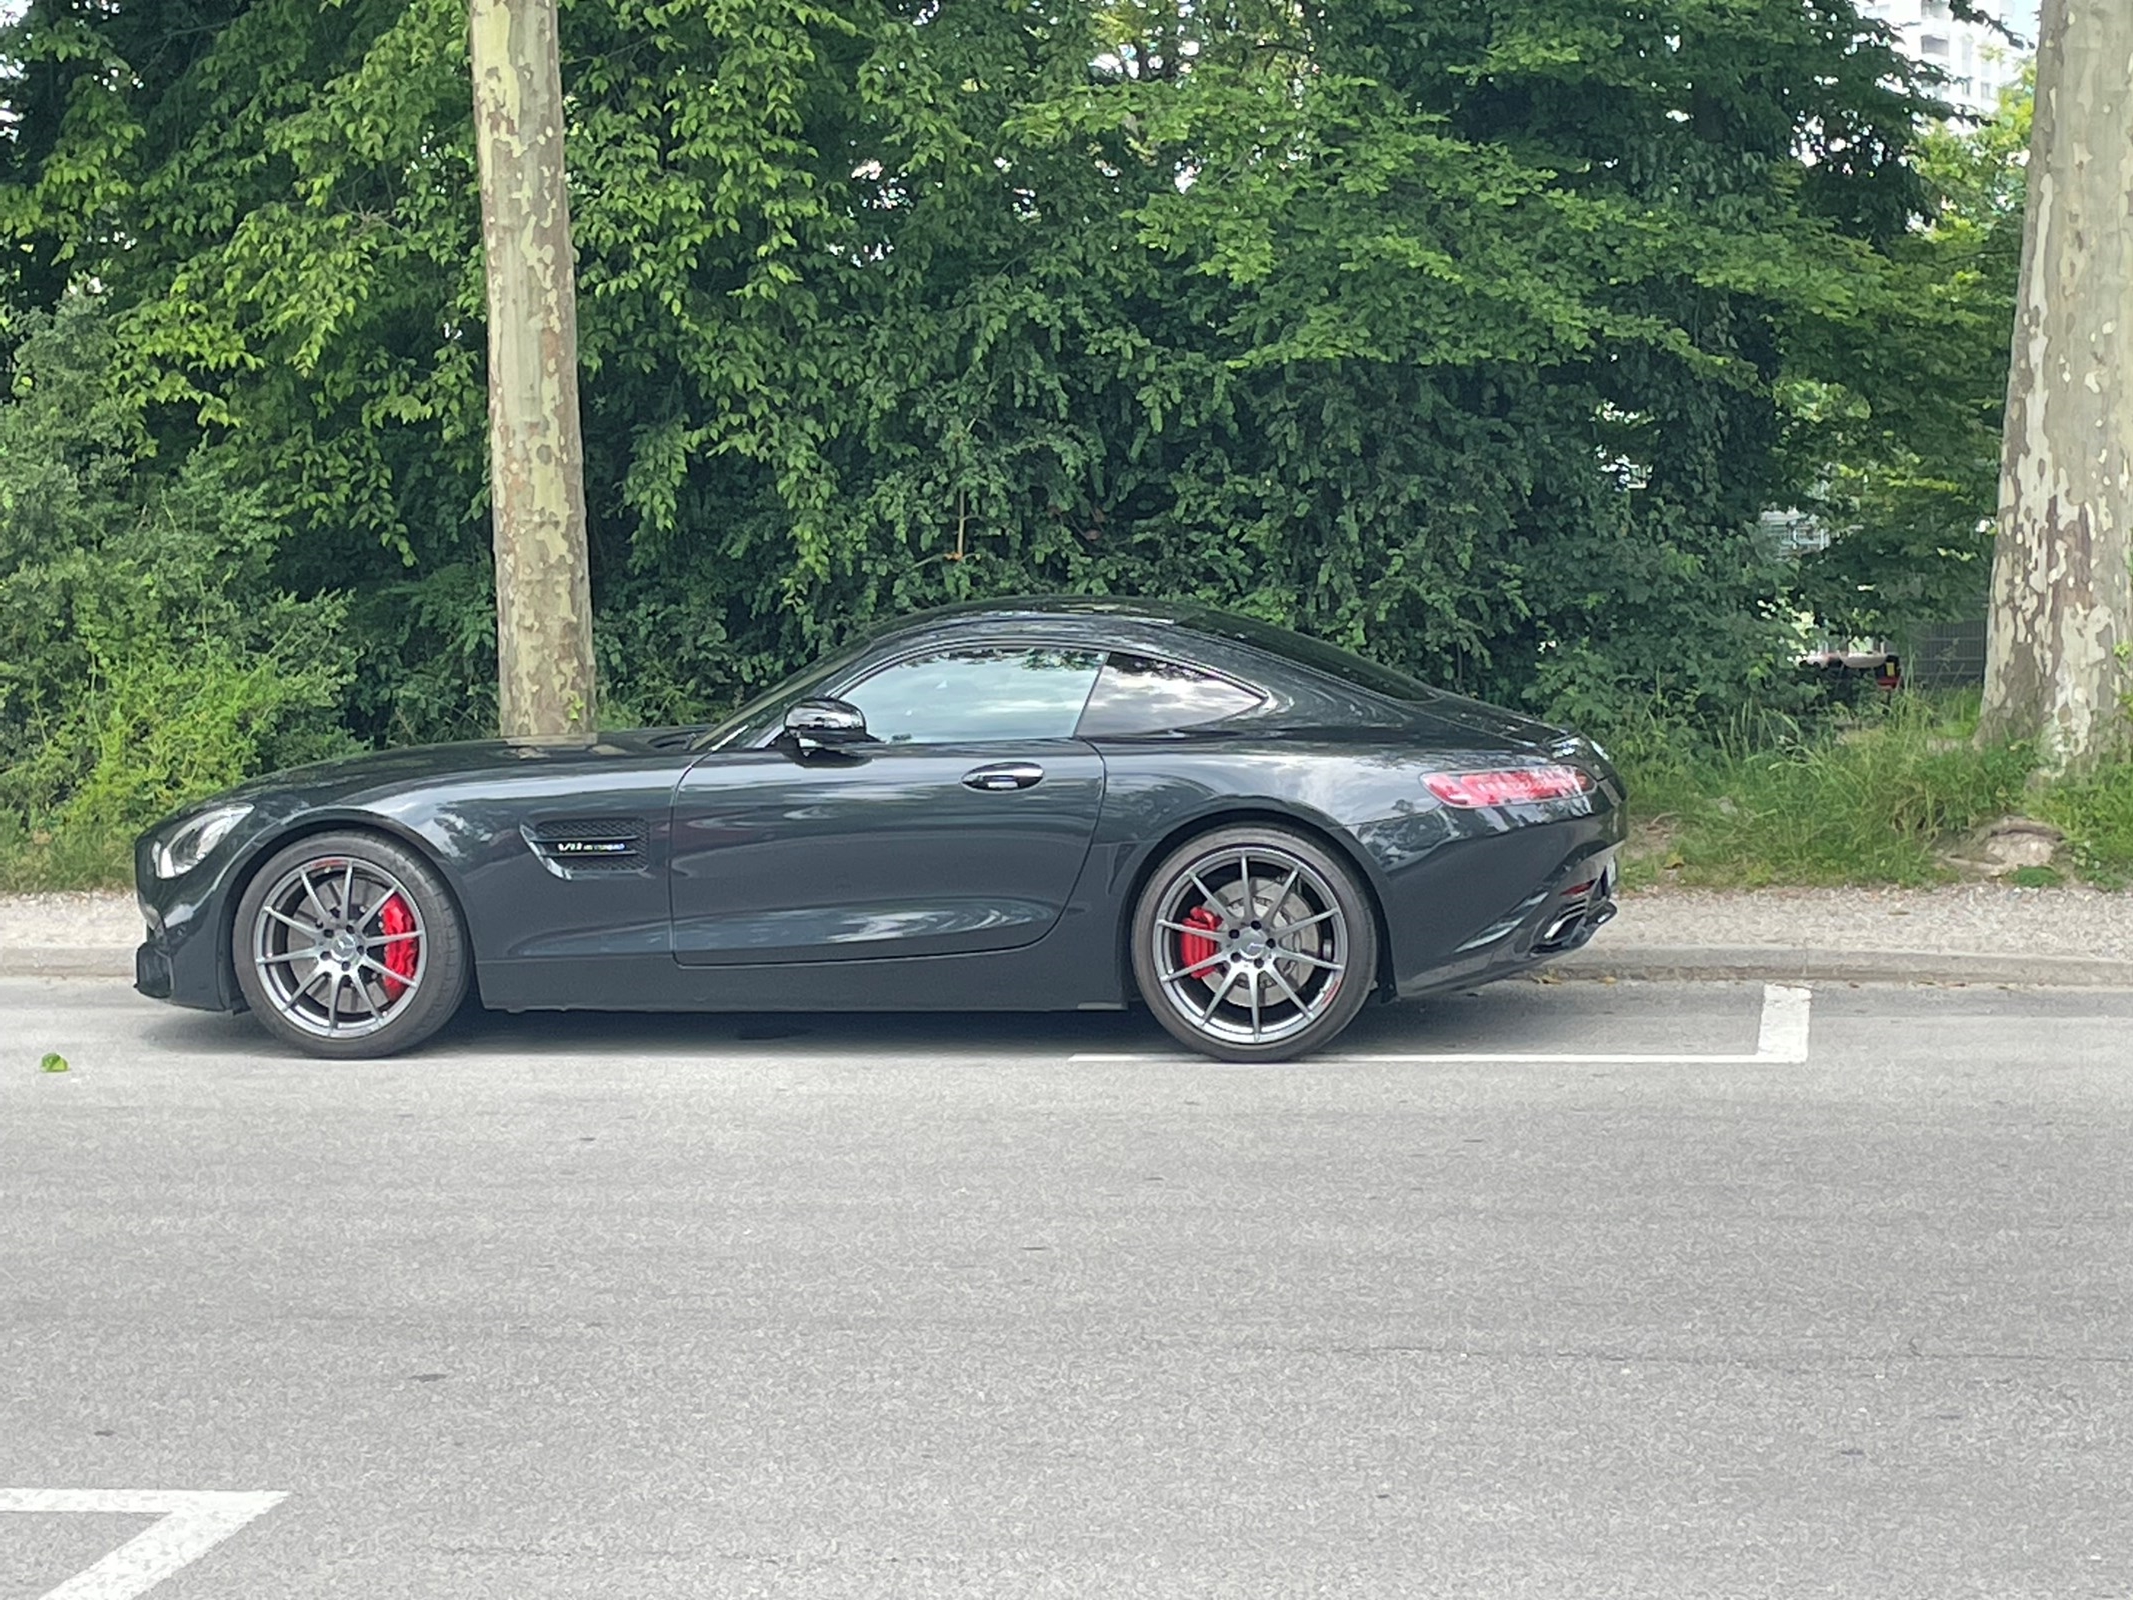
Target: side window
point(956, 696)
point(1137, 694)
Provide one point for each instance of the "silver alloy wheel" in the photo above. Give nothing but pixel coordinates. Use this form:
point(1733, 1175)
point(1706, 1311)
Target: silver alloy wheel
point(323, 954)
point(1250, 944)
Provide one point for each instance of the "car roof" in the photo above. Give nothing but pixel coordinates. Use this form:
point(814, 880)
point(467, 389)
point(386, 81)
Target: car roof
point(1187, 629)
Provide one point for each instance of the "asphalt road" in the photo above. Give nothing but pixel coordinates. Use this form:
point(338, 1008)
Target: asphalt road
point(612, 1307)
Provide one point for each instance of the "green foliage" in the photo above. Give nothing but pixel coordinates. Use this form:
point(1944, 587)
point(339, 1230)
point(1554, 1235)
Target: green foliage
point(147, 655)
point(2096, 814)
point(1911, 439)
point(1466, 331)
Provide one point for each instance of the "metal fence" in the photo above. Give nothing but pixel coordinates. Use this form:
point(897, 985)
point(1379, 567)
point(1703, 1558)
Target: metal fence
point(1945, 655)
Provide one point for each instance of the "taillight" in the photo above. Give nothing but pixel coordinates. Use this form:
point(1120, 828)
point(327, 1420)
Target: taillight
point(1509, 786)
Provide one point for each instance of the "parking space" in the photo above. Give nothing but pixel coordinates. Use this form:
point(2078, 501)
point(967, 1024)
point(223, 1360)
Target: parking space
point(1641, 1303)
point(1514, 1021)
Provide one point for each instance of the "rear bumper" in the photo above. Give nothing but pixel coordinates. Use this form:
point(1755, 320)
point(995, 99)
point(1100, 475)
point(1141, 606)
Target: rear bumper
point(1556, 920)
point(1496, 903)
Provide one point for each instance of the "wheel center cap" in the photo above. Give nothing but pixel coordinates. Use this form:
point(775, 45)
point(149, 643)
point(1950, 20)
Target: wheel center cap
point(1252, 946)
point(345, 946)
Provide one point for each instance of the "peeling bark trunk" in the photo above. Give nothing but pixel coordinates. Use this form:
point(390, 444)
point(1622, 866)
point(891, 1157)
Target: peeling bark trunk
point(2059, 652)
point(536, 455)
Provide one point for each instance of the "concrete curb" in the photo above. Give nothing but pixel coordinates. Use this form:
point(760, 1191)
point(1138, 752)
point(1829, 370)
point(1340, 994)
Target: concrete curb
point(1812, 964)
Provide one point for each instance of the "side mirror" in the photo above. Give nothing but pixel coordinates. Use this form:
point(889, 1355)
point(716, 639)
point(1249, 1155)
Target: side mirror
point(825, 724)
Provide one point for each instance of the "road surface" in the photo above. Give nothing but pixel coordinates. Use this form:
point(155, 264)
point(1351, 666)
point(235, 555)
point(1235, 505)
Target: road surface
point(885, 1307)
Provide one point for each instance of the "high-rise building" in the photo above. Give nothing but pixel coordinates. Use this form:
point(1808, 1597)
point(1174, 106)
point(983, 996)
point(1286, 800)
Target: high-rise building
point(1978, 61)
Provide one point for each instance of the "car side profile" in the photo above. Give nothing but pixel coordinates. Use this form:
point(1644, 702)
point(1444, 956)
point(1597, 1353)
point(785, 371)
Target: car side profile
point(1052, 804)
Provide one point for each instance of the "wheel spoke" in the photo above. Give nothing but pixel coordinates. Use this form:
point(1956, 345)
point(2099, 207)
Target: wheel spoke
point(1185, 927)
point(1199, 971)
point(1244, 875)
point(392, 938)
point(410, 981)
point(1228, 980)
point(1289, 989)
point(1207, 895)
point(363, 989)
point(301, 990)
point(1252, 982)
point(1304, 922)
point(286, 957)
point(298, 924)
point(1281, 896)
point(311, 893)
point(333, 1004)
point(1309, 961)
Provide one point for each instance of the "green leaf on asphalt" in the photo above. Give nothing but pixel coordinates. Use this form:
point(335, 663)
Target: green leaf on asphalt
point(53, 1062)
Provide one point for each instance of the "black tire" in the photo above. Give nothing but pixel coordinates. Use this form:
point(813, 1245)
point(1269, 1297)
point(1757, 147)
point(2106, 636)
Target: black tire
point(318, 911)
point(1292, 934)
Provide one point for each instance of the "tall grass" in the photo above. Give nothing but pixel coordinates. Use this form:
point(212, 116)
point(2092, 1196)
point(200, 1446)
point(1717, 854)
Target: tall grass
point(2096, 814)
point(1875, 798)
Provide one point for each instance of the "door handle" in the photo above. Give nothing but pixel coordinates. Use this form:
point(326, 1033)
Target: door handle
point(1004, 775)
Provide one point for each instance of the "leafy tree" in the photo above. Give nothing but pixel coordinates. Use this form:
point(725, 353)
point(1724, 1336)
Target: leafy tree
point(1464, 330)
point(1910, 445)
point(147, 654)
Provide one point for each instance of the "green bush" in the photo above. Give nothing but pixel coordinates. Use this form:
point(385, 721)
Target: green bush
point(146, 655)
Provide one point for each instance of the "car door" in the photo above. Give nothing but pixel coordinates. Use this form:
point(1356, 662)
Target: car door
point(960, 824)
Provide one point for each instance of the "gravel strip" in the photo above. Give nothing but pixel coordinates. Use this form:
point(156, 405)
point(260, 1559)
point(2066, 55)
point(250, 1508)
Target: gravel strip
point(1989, 919)
point(69, 921)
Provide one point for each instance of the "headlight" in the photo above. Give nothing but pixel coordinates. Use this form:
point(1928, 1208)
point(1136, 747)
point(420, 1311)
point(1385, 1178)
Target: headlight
point(188, 846)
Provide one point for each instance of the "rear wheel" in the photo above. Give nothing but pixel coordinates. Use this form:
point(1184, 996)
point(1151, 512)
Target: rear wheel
point(347, 945)
point(1254, 943)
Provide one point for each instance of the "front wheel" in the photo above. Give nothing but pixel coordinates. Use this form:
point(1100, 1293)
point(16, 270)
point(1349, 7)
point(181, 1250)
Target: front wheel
point(1254, 943)
point(348, 945)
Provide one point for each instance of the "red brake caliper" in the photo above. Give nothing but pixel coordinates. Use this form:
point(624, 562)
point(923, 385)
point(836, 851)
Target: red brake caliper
point(1197, 951)
point(394, 917)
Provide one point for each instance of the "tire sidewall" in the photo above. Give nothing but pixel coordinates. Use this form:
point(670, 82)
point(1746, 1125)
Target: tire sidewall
point(445, 961)
point(1355, 904)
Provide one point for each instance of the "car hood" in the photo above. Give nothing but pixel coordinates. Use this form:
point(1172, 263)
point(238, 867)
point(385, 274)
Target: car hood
point(322, 782)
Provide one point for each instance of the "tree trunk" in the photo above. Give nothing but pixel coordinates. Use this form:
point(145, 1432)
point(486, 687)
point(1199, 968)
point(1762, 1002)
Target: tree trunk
point(2059, 653)
point(536, 456)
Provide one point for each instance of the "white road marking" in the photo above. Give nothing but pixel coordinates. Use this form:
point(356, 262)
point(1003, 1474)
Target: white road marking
point(191, 1522)
point(1781, 1041)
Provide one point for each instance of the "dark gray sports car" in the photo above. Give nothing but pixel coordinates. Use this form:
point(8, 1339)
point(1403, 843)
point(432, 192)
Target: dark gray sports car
point(1040, 805)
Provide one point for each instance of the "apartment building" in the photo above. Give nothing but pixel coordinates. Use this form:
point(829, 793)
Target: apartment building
point(1978, 61)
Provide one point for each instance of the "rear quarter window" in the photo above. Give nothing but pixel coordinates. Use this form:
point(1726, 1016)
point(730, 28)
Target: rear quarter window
point(1143, 695)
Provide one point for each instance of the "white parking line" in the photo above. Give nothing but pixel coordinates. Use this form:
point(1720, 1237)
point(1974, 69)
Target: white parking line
point(191, 1522)
point(1781, 1041)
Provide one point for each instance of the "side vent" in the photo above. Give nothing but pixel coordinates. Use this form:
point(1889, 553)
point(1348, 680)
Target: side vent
point(587, 847)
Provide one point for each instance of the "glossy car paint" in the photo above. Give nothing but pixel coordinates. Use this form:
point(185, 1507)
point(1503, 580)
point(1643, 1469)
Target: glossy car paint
point(763, 877)
point(875, 850)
